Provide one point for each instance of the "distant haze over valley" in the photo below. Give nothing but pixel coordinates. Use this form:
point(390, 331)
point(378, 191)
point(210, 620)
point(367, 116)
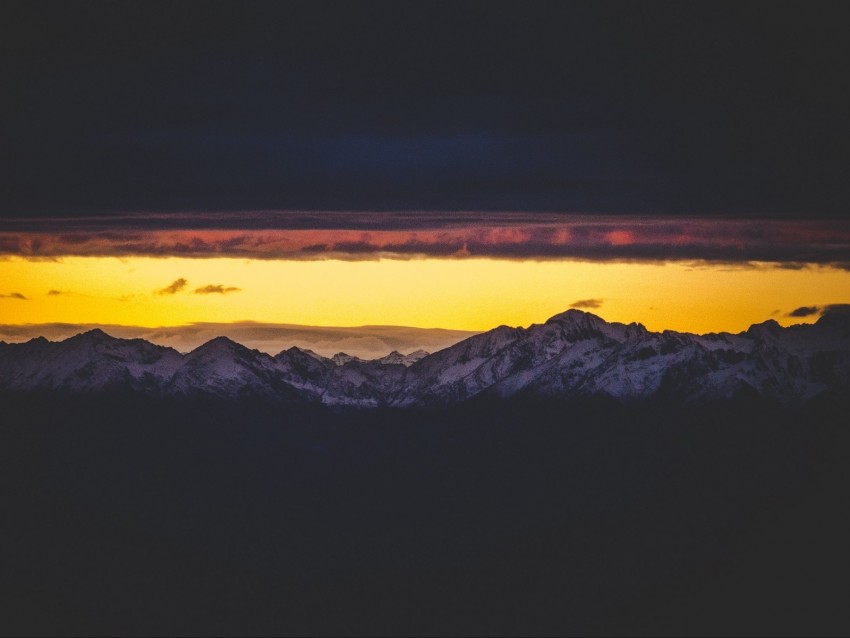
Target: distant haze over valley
point(365, 342)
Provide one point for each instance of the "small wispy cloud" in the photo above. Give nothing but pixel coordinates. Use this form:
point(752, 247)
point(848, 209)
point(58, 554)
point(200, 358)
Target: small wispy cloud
point(587, 303)
point(54, 293)
point(216, 289)
point(808, 311)
point(14, 295)
point(805, 311)
point(176, 286)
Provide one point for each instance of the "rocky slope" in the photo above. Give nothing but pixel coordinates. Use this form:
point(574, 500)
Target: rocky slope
point(573, 354)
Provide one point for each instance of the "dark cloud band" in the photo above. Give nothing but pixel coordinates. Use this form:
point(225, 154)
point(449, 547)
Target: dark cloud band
point(357, 236)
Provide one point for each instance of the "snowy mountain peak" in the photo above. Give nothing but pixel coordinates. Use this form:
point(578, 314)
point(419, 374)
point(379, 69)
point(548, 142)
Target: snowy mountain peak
point(574, 354)
point(394, 357)
point(769, 325)
point(575, 316)
point(765, 331)
point(341, 358)
point(397, 358)
point(221, 341)
point(636, 330)
point(310, 353)
point(577, 325)
point(307, 357)
point(217, 346)
point(95, 335)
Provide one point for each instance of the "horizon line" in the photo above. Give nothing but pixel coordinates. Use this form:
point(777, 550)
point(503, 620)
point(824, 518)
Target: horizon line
point(196, 334)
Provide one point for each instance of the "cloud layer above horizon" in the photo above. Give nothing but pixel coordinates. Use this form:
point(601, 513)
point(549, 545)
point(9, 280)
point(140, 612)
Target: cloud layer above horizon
point(358, 236)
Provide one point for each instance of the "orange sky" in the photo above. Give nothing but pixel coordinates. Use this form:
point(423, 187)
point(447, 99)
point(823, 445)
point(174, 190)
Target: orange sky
point(461, 293)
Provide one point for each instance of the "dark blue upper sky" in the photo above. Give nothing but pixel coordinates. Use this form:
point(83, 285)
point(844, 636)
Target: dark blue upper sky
point(726, 108)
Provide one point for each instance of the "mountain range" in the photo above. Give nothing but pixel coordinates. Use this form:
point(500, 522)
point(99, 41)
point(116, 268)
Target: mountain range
point(572, 355)
point(576, 477)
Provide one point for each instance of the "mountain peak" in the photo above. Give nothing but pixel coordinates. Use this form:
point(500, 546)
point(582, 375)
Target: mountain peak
point(765, 327)
point(575, 353)
point(217, 345)
point(835, 315)
point(637, 330)
point(578, 324)
point(574, 315)
point(295, 353)
point(397, 358)
point(341, 358)
point(95, 335)
point(221, 340)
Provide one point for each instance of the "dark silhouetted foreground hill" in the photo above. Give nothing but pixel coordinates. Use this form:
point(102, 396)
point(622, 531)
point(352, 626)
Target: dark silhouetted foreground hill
point(128, 515)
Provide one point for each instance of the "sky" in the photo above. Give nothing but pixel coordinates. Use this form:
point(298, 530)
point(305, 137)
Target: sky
point(420, 165)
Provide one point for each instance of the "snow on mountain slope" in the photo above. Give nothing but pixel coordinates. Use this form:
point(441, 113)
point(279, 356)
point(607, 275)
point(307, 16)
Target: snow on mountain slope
point(579, 354)
point(364, 383)
point(572, 354)
point(87, 362)
point(767, 360)
point(305, 370)
point(224, 368)
point(407, 360)
point(341, 358)
point(505, 360)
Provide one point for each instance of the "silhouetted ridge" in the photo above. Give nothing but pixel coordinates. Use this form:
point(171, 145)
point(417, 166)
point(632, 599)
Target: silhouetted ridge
point(837, 315)
point(95, 335)
point(573, 355)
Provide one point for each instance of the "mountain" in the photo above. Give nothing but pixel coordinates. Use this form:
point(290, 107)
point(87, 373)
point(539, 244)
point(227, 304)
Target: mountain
point(573, 354)
point(88, 362)
point(227, 369)
point(406, 360)
point(139, 484)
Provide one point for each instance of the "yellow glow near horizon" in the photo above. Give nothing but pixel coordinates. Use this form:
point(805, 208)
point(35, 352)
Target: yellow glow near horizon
point(471, 294)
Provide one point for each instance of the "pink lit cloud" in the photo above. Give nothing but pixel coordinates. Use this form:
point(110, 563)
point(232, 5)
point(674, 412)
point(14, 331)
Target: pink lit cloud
point(357, 236)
